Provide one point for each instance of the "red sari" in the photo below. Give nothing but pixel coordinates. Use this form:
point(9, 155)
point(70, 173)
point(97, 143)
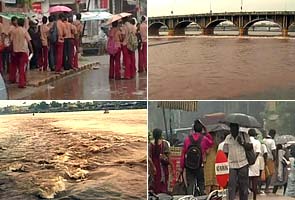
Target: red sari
point(160, 180)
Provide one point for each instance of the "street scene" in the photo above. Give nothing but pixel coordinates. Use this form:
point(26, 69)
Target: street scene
point(226, 49)
point(65, 50)
point(216, 150)
point(73, 150)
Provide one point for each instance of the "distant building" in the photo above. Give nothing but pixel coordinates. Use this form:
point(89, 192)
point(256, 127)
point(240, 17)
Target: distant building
point(136, 7)
point(11, 6)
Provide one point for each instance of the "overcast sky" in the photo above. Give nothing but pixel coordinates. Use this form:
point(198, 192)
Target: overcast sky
point(179, 7)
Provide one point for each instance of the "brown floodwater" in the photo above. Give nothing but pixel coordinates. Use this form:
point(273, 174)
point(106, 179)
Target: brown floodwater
point(221, 67)
point(78, 155)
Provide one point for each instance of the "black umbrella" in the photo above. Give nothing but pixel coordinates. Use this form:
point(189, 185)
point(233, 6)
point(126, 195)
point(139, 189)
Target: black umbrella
point(243, 120)
point(217, 128)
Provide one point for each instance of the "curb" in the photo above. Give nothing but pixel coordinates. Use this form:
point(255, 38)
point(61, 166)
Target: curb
point(62, 75)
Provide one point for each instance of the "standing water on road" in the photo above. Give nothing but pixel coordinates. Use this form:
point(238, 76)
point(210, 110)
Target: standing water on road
point(221, 67)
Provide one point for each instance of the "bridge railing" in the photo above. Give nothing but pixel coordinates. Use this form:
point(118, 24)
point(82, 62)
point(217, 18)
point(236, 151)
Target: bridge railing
point(225, 14)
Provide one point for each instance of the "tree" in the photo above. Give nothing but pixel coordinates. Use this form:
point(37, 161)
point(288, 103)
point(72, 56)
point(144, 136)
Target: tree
point(43, 106)
point(55, 104)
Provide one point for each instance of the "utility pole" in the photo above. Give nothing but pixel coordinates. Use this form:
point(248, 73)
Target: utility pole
point(210, 7)
point(138, 10)
point(78, 6)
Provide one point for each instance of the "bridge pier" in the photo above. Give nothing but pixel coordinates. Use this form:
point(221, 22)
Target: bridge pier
point(285, 32)
point(207, 31)
point(243, 31)
point(171, 32)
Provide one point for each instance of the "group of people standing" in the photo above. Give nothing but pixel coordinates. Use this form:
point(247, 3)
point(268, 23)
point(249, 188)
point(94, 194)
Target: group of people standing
point(124, 38)
point(52, 45)
point(270, 166)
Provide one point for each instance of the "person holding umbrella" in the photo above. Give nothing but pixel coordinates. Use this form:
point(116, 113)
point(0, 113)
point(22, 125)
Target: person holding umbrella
point(238, 163)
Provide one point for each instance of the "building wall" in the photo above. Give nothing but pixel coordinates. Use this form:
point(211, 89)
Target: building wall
point(20, 8)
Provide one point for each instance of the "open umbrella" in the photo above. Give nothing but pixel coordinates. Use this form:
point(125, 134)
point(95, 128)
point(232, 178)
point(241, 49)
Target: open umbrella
point(56, 9)
point(125, 14)
point(217, 128)
point(242, 119)
point(283, 139)
point(113, 19)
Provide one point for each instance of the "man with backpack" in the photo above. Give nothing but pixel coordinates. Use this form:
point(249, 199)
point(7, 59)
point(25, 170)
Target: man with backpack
point(192, 157)
point(238, 163)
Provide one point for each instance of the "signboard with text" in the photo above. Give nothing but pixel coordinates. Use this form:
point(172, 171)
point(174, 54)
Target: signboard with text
point(221, 169)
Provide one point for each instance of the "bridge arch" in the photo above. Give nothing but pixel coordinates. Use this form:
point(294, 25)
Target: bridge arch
point(248, 25)
point(155, 27)
point(291, 29)
point(182, 25)
point(209, 29)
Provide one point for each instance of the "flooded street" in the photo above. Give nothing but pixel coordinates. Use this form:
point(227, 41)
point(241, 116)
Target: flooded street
point(81, 155)
point(89, 84)
point(221, 67)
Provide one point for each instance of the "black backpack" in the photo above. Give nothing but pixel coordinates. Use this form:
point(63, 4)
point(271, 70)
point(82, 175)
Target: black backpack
point(193, 157)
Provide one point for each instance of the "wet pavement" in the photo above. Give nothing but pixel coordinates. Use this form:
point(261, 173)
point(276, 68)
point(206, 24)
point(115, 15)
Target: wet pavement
point(89, 84)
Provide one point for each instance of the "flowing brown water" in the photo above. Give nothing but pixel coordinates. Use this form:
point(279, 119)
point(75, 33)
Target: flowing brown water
point(221, 67)
point(81, 155)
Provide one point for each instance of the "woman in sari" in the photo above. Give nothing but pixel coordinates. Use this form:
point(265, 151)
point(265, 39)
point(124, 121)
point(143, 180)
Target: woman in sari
point(159, 157)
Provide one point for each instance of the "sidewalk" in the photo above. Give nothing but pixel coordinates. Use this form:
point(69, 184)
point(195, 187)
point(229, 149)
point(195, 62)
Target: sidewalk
point(37, 78)
point(90, 83)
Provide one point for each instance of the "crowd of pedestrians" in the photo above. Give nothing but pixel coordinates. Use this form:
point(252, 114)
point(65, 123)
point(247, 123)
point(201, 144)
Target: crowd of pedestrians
point(51, 45)
point(125, 38)
point(268, 170)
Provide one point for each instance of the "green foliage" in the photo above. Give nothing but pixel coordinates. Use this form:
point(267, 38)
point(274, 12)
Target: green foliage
point(285, 124)
point(56, 106)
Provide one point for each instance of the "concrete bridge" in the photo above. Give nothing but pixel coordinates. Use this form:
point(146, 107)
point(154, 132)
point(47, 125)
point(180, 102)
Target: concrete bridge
point(243, 20)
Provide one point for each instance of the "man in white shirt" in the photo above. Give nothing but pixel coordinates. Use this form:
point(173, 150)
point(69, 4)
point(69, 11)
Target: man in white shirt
point(262, 161)
point(271, 157)
point(254, 170)
point(238, 163)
